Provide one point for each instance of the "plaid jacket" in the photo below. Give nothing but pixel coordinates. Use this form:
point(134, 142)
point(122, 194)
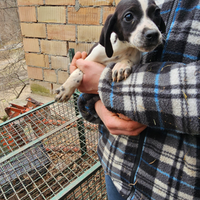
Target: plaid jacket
point(163, 162)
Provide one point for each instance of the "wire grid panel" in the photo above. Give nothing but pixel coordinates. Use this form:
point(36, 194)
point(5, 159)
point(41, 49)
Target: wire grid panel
point(92, 188)
point(44, 151)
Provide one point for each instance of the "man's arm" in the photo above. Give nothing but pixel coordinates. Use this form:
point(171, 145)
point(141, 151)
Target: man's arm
point(90, 105)
point(159, 95)
point(116, 125)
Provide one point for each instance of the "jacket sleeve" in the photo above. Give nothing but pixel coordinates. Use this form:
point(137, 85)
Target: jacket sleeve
point(86, 107)
point(160, 95)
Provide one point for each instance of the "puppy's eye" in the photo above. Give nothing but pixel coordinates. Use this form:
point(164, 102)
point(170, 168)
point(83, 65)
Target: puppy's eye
point(157, 12)
point(128, 17)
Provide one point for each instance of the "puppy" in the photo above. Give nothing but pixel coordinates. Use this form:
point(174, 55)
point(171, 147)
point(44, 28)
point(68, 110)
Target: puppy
point(135, 27)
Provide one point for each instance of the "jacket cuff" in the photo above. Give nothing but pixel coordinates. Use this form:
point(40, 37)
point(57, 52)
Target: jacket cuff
point(86, 105)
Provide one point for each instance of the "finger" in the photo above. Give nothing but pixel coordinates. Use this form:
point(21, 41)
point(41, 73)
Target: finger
point(80, 63)
point(116, 125)
point(136, 132)
point(120, 126)
point(121, 116)
point(72, 68)
point(77, 56)
point(84, 55)
point(83, 64)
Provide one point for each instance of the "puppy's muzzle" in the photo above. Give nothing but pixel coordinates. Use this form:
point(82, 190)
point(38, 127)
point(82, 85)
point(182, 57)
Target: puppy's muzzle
point(151, 36)
point(149, 40)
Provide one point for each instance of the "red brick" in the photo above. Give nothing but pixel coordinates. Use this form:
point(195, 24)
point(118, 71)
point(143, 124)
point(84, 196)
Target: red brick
point(53, 47)
point(54, 14)
point(59, 62)
point(30, 2)
point(27, 14)
point(60, 2)
point(34, 73)
point(50, 75)
point(61, 32)
point(84, 16)
point(80, 46)
point(38, 60)
point(95, 3)
point(33, 30)
point(62, 76)
point(31, 45)
point(89, 33)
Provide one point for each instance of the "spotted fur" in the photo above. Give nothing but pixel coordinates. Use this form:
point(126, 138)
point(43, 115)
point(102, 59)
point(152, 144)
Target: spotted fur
point(135, 27)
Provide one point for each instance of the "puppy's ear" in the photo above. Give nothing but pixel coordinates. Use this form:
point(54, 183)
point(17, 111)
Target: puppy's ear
point(162, 26)
point(105, 34)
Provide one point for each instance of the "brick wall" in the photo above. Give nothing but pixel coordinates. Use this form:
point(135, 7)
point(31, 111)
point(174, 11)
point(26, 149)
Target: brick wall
point(50, 28)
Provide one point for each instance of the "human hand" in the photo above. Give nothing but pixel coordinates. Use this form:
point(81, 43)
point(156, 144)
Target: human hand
point(117, 125)
point(78, 55)
point(91, 73)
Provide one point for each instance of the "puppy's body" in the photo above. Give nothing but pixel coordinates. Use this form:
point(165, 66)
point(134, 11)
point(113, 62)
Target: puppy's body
point(135, 27)
point(98, 53)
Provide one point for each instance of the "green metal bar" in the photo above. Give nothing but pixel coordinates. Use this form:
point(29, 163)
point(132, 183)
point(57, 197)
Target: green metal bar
point(80, 123)
point(26, 113)
point(34, 142)
point(80, 127)
point(76, 183)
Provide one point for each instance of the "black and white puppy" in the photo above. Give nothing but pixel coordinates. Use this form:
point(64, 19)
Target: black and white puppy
point(136, 26)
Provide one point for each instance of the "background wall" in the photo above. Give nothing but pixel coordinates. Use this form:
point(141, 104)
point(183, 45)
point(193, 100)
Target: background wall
point(50, 28)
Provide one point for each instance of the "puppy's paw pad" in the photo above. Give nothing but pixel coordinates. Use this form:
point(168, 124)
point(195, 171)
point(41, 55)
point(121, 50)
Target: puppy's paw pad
point(127, 72)
point(60, 89)
point(121, 71)
point(57, 91)
point(118, 75)
point(63, 94)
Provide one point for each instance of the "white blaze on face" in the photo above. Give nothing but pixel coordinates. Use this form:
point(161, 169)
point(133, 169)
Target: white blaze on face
point(144, 5)
point(137, 36)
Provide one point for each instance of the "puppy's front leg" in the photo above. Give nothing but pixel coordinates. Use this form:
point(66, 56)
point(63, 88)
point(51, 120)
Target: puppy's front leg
point(121, 70)
point(67, 89)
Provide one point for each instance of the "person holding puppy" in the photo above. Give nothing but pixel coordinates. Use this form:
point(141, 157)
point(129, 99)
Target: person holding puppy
point(155, 153)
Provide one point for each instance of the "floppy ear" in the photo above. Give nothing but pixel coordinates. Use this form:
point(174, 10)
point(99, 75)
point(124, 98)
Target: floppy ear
point(105, 34)
point(162, 26)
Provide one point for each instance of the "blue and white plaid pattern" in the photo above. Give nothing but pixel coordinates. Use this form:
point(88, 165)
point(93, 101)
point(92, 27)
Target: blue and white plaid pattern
point(165, 96)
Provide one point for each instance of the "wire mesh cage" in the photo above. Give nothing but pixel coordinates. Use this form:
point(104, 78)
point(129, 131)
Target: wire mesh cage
point(50, 153)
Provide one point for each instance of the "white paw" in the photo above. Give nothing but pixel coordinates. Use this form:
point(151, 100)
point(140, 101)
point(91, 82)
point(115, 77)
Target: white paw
point(121, 70)
point(63, 93)
point(67, 89)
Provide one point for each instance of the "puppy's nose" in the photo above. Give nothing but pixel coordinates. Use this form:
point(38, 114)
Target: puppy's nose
point(151, 35)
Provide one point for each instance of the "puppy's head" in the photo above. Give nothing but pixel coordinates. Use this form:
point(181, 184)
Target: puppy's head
point(137, 22)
